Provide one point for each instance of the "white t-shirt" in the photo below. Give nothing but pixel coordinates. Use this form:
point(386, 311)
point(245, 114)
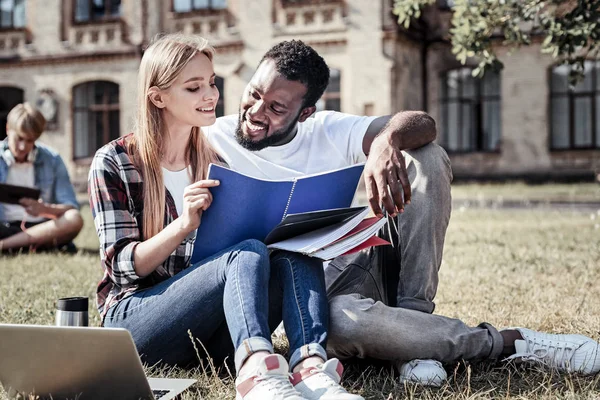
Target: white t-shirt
point(330, 140)
point(20, 174)
point(175, 182)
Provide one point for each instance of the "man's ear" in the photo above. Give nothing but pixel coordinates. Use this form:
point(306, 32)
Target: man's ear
point(306, 112)
point(156, 97)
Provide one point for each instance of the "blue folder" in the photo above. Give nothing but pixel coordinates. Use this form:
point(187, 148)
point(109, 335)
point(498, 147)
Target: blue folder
point(248, 208)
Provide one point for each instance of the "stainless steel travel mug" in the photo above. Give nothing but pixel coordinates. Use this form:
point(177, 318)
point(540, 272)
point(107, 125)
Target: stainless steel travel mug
point(72, 311)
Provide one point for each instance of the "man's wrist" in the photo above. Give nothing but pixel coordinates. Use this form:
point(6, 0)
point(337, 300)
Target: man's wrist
point(46, 211)
point(387, 138)
point(49, 211)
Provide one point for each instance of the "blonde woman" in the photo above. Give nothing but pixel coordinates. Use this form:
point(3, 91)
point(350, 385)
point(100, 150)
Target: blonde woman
point(148, 191)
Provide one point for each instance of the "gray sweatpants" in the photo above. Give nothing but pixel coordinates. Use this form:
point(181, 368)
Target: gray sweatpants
point(381, 298)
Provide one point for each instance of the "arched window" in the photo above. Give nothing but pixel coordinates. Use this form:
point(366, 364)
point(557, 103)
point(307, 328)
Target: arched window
point(470, 110)
point(332, 99)
point(220, 109)
point(9, 97)
point(95, 117)
point(575, 110)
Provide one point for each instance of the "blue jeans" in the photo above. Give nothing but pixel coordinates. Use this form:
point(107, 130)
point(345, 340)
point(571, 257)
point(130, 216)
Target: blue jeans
point(225, 290)
point(297, 293)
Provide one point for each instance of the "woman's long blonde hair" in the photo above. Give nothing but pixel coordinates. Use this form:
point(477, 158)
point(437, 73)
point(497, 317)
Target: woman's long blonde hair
point(162, 62)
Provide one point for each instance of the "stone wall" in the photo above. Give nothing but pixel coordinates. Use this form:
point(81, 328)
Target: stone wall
point(525, 149)
point(56, 53)
point(381, 68)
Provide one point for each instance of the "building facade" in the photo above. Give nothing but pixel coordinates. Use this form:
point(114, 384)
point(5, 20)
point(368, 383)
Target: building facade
point(77, 60)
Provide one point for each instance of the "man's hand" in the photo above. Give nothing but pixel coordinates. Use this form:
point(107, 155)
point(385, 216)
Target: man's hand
point(385, 168)
point(35, 208)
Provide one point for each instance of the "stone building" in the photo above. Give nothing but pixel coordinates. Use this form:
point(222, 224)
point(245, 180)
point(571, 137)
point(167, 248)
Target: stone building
point(77, 60)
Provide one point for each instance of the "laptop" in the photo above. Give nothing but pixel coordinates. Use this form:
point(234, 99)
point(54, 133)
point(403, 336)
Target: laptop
point(77, 363)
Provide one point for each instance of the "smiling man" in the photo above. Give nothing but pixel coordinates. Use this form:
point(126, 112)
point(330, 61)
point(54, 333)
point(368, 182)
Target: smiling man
point(274, 138)
point(51, 221)
point(381, 299)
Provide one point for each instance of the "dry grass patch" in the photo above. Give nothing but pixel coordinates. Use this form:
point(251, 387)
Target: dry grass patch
point(533, 268)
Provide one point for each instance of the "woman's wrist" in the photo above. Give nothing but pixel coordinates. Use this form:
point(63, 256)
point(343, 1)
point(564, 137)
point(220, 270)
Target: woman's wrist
point(183, 226)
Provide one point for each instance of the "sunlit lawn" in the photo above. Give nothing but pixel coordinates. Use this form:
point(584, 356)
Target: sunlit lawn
point(537, 268)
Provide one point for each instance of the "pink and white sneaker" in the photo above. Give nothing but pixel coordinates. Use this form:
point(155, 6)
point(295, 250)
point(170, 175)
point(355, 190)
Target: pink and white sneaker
point(322, 382)
point(270, 380)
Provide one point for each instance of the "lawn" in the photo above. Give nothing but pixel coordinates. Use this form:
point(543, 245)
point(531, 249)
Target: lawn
point(515, 192)
point(537, 268)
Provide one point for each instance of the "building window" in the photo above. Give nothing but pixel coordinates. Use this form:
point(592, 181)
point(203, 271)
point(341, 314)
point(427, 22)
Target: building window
point(193, 5)
point(445, 4)
point(220, 109)
point(305, 2)
point(575, 110)
point(95, 117)
point(331, 99)
point(9, 97)
point(97, 10)
point(12, 14)
point(470, 109)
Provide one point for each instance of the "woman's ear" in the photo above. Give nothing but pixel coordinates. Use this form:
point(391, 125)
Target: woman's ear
point(156, 97)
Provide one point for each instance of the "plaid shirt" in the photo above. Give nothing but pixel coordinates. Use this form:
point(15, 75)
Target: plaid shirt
point(115, 188)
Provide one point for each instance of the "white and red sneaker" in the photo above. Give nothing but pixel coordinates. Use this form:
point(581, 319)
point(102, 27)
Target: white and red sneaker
point(322, 382)
point(270, 380)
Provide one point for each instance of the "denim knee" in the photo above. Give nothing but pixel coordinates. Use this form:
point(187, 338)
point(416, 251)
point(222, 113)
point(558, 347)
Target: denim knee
point(250, 247)
point(255, 246)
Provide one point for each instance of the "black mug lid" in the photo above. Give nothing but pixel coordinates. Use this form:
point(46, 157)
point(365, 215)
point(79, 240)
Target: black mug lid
point(76, 304)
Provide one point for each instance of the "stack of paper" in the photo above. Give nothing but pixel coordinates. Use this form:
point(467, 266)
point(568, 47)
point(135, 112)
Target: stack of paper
point(361, 237)
point(341, 238)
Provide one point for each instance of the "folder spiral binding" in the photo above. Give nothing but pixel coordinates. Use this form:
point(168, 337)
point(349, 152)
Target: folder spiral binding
point(287, 206)
point(309, 214)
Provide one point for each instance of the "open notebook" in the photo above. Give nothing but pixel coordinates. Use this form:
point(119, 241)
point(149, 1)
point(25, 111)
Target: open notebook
point(313, 209)
point(344, 237)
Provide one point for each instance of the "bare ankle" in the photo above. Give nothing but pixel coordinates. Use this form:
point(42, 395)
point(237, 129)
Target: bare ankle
point(510, 336)
point(252, 361)
point(308, 362)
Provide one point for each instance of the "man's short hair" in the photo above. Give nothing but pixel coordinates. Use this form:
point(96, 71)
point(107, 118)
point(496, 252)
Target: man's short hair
point(26, 120)
point(297, 61)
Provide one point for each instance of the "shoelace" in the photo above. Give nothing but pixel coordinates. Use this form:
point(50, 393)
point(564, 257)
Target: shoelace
point(552, 354)
point(279, 383)
point(329, 382)
point(414, 363)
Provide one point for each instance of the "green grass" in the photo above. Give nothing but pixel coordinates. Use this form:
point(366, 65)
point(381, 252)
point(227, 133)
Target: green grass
point(534, 268)
point(519, 191)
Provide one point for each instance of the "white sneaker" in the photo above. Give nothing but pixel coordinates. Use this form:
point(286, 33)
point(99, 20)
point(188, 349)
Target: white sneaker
point(567, 353)
point(423, 372)
point(270, 380)
point(323, 382)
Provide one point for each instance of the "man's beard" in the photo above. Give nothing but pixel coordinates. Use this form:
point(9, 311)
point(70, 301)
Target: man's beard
point(273, 139)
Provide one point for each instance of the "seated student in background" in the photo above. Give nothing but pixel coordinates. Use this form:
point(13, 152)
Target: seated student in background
point(54, 219)
point(148, 191)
